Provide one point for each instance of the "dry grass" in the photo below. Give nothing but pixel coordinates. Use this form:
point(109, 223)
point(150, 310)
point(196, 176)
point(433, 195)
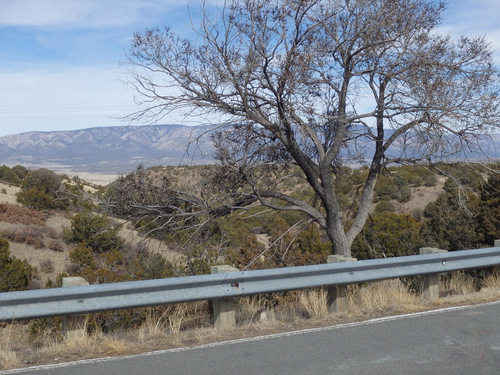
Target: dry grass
point(77, 345)
point(457, 283)
point(11, 340)
point(254, 309)
point(113, 345)
point(387, 295)
point(188, 323)
point(492, 281)
point(10, 193)
point(314, 303)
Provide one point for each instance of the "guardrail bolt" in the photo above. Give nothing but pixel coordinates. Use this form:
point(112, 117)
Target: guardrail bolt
point(337, 294)
point(74, 324)
point(430, 287)
point(224, 311)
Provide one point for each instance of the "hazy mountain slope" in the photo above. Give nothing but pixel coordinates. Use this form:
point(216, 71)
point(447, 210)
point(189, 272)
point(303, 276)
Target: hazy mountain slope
point(112, 150)
point(107, 149)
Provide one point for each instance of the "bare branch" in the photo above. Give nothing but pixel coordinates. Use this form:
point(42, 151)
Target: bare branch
point(315, 83)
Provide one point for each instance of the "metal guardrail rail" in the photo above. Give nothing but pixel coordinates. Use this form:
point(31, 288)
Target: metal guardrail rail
point(94, 298)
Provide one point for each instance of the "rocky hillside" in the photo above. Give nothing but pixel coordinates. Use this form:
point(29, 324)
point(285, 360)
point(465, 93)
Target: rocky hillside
point(107, 149)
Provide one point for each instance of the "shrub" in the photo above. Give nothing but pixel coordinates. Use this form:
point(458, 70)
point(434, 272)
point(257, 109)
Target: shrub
point(30, 235)
point(15, 274)
point(463, 176)
point(55, 245)
point(384, 189)
point(430, 180)
point(385, 206)
point(21, 215)
point(34, 198)
point(490, 209)
point(431, 210)
point(94, 231)
point(39, 190)
point(13, 175)
point(155, 266)
point(453, 222)
point(403, 191)
point(417, 213)
point(388, 234)
point(82, 256)
point(394, 188)
point(46, 266)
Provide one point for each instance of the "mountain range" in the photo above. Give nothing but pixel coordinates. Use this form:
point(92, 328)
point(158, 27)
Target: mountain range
point(108, 150)
point(120, 149)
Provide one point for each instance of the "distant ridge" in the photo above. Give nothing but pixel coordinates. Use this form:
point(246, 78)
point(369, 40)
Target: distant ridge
point(108, 150)
point(120, 149)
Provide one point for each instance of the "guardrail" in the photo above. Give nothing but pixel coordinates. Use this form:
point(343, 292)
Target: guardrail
point(94, 298)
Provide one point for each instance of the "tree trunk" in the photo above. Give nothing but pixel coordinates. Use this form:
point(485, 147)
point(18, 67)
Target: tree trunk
point(336, 233)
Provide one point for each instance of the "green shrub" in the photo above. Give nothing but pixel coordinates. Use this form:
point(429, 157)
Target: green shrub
point(393, 187)
point(453, 222)
point(385, 206)
point(431, 210)
point(430, 180)
point(384, 189)
point(82, 255)
point(39, 190)
point(13, 175)
point(388, 234)
point(490, 209)
point(34, 198)
point(417, 213)
point(403, 191)
point(155, 266)
point(15, 274)
point(94, 231)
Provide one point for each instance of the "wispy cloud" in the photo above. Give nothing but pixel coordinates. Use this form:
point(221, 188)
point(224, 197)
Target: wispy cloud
point(474, 18)
point(85, 14)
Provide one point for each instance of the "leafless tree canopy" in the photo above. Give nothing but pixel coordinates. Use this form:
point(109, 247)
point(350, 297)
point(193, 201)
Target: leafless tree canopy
point(321, 83)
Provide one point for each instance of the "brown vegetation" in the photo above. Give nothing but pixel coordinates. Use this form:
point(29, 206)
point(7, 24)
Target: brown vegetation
point(11, 213)
point(37, 236)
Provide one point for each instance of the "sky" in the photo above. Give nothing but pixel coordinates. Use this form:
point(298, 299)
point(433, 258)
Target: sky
point(61, 61)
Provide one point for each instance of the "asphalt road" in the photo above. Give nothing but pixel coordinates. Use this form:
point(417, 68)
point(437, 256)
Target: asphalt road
point(454, 341)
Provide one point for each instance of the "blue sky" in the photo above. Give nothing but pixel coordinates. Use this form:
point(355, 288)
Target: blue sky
point(60, 59)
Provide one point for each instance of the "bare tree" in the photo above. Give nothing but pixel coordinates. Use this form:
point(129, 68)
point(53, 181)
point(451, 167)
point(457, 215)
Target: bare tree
point(322, 83)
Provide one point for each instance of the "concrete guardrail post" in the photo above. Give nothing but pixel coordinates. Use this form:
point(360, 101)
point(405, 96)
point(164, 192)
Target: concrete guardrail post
point(430, 287)
point(224, 312)
point(337, 294)
point(497, 243)
point(74, 324)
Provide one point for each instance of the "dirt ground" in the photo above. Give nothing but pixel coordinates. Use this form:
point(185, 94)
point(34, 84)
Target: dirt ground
point(9, 194)
point(420, 197)
point(95, 178)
